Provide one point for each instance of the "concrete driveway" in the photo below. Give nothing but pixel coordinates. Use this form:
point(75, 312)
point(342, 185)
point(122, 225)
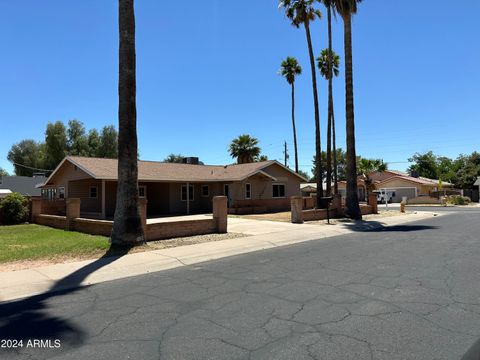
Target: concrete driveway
point(258, 227)
point(404, 292)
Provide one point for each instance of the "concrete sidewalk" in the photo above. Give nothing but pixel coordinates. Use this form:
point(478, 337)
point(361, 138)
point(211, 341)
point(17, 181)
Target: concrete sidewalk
point(264, 235)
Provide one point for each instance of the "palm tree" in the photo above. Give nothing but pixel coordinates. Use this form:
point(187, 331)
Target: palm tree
point(303, 12)
point(366, 167)
point(328, 64)
point(245, 149)
point(346, 8)
point(289, 69)
point(127, 226)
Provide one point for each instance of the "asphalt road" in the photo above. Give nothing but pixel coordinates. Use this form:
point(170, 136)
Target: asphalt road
point(409, 292)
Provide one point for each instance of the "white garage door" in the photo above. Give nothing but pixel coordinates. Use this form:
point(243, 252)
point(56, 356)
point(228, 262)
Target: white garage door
point(409, 192)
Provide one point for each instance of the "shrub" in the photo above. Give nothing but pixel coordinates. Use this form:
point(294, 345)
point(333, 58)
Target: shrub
point(458, 200)
point(14, 209)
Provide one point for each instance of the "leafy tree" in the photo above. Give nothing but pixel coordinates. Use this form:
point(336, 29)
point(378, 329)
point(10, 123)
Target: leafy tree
point(127, 225)
point(94, 143)
point(109, 143)
point(303, 12)
point(245, 149)
point(14, 209)
point(341, 161)
point(289, 69)
point(328, 64)
point(77, 141)
point(174, 158)
point(346, 8)
point(3, 172)
point(447, 169)
point(26, 156)
point(367, 166)
point(55, 144)
point(468, 170)
point(425, 165)
point(303, 173)
point(261, 158)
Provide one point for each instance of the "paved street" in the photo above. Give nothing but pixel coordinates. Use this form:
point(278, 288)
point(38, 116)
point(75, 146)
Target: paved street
point(407, 292)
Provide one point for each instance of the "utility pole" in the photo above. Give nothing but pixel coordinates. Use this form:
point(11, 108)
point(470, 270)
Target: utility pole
point(285, 152)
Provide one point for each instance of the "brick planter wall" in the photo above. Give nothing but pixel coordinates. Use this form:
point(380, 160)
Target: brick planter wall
point(92, 227)
point(169, 230)
point(366, 209)
point(55, 221)
point(318, 214)
point(156, 231)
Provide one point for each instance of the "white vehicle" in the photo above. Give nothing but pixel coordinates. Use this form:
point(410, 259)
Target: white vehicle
point(384, 196)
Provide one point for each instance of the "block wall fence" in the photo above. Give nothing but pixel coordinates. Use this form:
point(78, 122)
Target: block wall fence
point(156, 231)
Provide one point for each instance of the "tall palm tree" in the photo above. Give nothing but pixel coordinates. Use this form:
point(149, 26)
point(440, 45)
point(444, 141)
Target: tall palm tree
point(289, 69)
point(127, 226)
point(245, 149)
point(303, 12)
point(346, 8)
point(328, 64)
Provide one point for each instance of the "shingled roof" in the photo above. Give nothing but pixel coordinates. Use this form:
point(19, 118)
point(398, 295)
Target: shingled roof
point(106, 169)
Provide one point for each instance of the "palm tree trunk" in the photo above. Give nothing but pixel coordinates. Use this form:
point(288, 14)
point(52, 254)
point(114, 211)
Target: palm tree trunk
point(335, 165)
point(294, 128)
point(353, 208)
point(318, 149)
point(330, 106)
point(127, 225)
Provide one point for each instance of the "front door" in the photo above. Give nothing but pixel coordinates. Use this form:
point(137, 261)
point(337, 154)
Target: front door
point(226, 192)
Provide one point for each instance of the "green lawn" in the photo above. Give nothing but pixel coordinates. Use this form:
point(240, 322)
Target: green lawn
point(34, 242)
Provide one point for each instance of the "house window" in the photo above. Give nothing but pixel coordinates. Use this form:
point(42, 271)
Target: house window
point(61, 192)
point(142, 191)
point(278, 190)
point(49, 194)
point(93, 192)
point(205, 191)
point(184, 193)
point(248, 191)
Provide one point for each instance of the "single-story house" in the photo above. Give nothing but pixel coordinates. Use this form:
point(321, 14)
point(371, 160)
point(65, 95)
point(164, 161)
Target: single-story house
point(172, 188)
point(403, 184)
point(25, 185)
point(310, 189)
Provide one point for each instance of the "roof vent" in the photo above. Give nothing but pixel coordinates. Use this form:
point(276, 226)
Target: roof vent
point(191, 160)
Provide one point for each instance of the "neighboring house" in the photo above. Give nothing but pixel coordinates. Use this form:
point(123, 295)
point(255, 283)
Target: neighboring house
point(4, 193)
point(310, 189)
point(172, 188)
point(403, 184)
point(25, 185)
point(398, 182)
point(477, 190)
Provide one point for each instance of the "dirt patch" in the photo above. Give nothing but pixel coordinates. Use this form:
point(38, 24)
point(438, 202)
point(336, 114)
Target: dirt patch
point(151, 245)
point(190, 240)
point(380, 215)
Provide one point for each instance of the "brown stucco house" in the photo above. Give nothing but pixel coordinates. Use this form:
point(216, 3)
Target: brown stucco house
point(404, 185)
point(172, 188)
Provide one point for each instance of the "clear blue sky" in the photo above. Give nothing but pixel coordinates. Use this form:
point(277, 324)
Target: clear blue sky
point(207, 72)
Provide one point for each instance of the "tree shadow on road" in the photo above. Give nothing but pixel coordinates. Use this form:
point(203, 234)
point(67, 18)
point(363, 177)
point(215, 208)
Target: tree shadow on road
point(473, 353)
point(29, 318)
point(377, 226)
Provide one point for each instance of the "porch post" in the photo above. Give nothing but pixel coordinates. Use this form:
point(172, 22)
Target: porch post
point(103, 200)
point(188, 198)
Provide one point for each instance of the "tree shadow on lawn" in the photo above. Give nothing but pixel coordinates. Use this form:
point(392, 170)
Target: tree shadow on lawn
point(29, 318)
point(377, 226)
